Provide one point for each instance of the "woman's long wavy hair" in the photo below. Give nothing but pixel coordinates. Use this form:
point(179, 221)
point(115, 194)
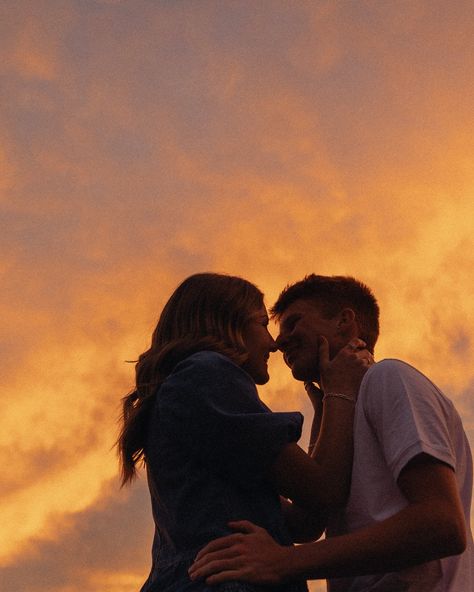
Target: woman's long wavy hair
point(208, 311)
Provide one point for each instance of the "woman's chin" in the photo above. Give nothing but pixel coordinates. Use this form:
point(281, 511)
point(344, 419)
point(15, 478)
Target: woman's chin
point(261, 378)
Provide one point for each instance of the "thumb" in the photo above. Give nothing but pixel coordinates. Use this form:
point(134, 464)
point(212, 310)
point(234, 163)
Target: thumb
point(244, 526)
point(323, 351)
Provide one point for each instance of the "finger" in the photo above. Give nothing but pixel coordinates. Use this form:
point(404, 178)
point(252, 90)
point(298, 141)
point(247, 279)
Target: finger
point(244, 526)
point(213, 567)
point(365, 356)
point(218, 544)
point(199, 563)
point(356, 344)
point(323, 351)
point(225, 576)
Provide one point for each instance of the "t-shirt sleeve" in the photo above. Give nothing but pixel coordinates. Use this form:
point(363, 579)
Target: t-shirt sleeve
point(408, 415)
point(211, 406)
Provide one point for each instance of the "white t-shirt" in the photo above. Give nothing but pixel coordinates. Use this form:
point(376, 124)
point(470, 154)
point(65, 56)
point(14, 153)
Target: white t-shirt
point(399, 414)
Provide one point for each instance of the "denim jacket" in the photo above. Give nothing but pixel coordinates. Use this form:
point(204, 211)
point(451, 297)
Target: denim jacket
point(210, 443)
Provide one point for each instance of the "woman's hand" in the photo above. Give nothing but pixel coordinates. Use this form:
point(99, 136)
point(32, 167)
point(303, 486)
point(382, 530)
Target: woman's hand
point(250, 555)
point(344, 373)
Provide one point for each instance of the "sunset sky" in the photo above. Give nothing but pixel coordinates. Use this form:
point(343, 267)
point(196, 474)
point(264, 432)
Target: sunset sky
point(146, 140)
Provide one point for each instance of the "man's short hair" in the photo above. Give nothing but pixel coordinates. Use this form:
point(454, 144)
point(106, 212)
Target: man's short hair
point(332, 294)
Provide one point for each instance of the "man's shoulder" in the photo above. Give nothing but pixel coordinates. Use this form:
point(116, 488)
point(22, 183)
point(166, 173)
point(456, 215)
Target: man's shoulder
point(393, 378)
point(392, 369)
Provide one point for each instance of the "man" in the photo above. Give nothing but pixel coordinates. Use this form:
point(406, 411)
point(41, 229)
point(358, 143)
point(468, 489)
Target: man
point(405, 527)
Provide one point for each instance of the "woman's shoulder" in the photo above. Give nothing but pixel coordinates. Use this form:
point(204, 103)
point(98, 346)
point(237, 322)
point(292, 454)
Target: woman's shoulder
point(208, 378)
point(209, 358)
point(205, 368)
point(206, 361)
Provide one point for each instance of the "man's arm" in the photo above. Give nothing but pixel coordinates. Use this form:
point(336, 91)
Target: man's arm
point(431, 526)
point(303, 526)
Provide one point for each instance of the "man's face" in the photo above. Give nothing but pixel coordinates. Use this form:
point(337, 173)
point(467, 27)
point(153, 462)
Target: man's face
point(300, 325)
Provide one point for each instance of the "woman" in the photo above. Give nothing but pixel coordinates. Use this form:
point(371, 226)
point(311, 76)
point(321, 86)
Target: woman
point(214, 453)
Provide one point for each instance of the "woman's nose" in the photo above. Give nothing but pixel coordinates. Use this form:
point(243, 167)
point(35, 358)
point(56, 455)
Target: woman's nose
point(272, 344)
point(280, 341)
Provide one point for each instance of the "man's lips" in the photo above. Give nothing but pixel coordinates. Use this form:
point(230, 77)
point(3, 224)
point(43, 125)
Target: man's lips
point(289, 356)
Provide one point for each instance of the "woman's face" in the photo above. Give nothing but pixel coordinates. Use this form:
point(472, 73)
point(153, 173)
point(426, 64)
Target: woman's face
point(259, 344)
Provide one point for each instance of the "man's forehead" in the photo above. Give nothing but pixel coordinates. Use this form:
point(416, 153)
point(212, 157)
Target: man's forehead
point(300, 306)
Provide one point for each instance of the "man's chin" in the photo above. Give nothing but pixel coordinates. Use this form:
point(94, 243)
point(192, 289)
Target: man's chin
point(305, 374)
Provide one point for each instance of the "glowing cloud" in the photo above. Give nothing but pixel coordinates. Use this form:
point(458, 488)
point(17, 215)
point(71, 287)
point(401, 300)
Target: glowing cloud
point(142, 142)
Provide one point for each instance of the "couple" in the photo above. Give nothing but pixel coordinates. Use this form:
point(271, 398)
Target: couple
point(230, 488)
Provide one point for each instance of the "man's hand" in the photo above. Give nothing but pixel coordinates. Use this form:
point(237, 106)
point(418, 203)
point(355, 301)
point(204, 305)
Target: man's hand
point(250, 555)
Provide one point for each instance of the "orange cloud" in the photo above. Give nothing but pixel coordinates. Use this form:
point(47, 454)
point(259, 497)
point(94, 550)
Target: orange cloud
point(87, 547)
point(142, 144)
point(34, 51)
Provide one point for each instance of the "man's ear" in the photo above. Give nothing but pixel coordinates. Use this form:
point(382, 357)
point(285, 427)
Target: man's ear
point(346, 321)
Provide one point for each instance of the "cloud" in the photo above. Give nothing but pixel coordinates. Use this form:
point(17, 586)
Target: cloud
point(110, 538)
point(142, 142)
point(32, 41)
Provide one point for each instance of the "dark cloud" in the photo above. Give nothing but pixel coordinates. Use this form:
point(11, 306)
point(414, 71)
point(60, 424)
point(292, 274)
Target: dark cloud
point(144, 141)
point(42, 462)
point(112, 536)
point(461, 343)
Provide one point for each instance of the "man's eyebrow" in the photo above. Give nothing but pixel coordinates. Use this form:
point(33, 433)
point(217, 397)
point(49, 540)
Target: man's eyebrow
point(292, 318)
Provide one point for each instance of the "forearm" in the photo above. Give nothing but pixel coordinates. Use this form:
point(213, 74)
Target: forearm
point(315, 427)
point(319, 482)
point(315, 396)
point(333, 449)
point(303, 526)
point(413, 536)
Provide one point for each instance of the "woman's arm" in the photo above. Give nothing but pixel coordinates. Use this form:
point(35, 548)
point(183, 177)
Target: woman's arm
point(304, 526)
point(315, 395)
point(321, 481)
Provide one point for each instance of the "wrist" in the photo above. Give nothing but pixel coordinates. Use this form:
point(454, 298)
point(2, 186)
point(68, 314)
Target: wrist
point(315, 394)
point(336, 395)
point(287, 567)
